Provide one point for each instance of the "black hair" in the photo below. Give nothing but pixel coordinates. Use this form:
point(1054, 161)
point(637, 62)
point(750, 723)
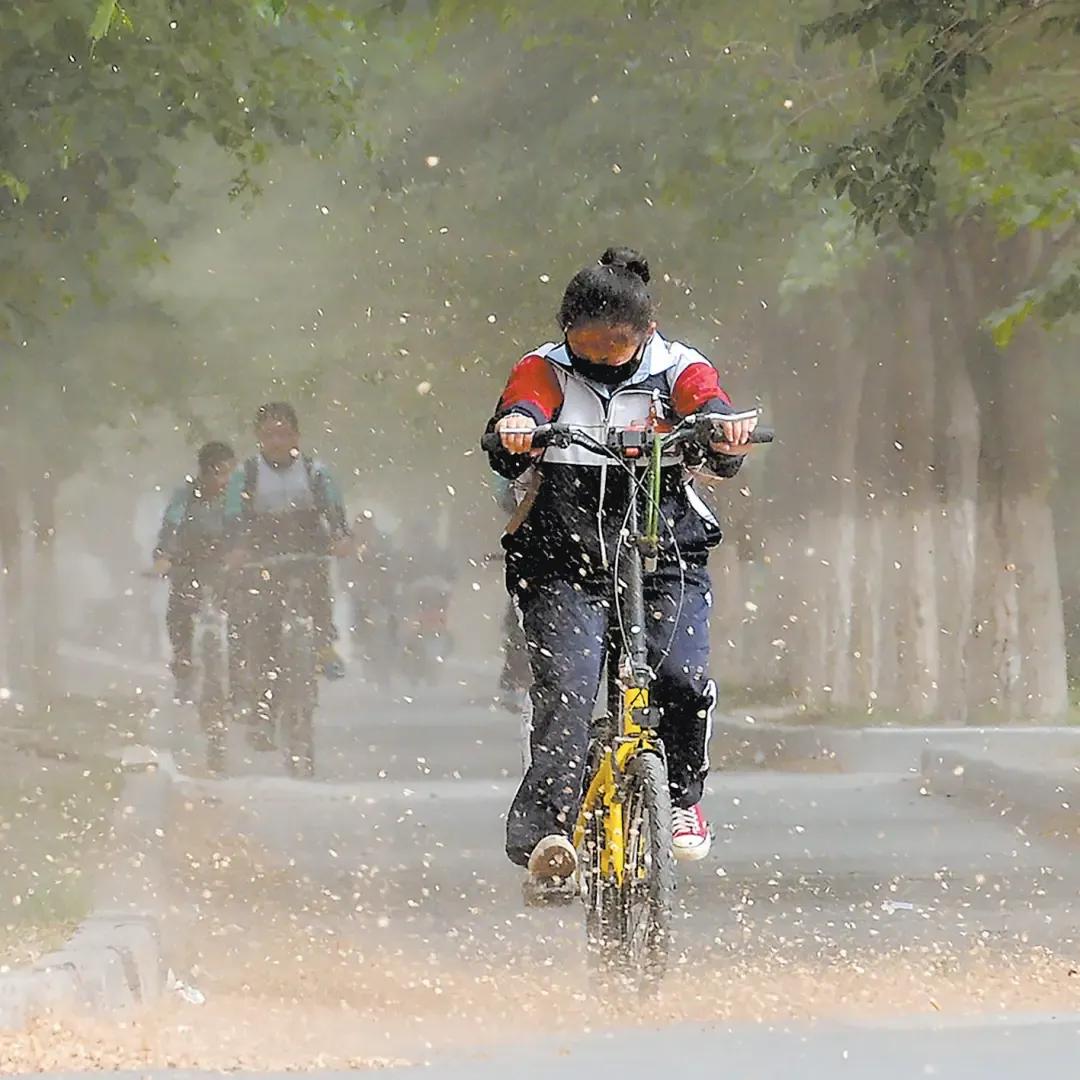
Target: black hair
point(277, 412)
point(213, 454)
point(613, 292)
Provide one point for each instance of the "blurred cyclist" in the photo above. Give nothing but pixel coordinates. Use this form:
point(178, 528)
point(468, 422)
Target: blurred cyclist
point(190, 551)
point(283, 502)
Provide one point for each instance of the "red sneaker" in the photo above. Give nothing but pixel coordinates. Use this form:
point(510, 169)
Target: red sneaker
point(690, 836)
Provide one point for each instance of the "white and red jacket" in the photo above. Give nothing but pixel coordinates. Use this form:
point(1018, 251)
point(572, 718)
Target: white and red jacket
point(574, 523)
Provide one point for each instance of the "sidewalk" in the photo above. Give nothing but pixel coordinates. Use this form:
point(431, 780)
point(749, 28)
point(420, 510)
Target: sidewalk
point(1029, 773)
point(114, 959)
point(1035, 781)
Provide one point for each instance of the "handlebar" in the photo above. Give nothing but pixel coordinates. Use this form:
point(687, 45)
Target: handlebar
point(284, 560)
point(699, 430)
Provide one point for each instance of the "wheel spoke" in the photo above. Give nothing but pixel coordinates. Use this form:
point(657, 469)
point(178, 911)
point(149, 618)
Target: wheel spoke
point(628, 924)
point(638, 866)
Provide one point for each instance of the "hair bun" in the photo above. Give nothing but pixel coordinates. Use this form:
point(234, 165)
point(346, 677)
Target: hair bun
point(624, 258)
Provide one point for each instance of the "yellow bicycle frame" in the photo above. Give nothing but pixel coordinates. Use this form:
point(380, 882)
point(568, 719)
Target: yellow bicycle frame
point(603, 789)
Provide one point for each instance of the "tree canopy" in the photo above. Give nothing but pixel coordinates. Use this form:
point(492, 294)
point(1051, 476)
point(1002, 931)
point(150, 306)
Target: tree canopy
point(866, 210)
point(975, 116)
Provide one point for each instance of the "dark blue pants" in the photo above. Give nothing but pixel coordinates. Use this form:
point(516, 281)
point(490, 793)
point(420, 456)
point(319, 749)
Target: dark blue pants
point(566, 627)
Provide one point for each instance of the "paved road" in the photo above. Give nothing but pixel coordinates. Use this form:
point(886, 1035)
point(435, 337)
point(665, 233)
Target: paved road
point(865, 1052)
point(381, 890)
point(823, 886)
point(1015, 1047)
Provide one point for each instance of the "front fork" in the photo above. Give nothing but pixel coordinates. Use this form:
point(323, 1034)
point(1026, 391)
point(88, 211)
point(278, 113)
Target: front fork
point(607, 790)
point(636, 729)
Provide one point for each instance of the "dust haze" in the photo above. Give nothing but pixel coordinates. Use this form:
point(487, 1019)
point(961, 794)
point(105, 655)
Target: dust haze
point(902, 558)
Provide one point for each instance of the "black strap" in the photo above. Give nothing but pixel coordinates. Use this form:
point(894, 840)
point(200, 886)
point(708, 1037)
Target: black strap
point(316, 481)
point(251, 479)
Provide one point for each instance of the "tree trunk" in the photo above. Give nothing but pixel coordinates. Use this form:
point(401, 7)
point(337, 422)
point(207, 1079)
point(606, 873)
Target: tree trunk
point(1045, 692)
point(957, 464)
point(45, 673)
point(1029, 531)
point(11, 558)
point(791, 470)
point(1023, 670)
point(919, 628)
point(828, 566)
point(775, 664)
point(959, 528)
point(876, 642)
point(813, 592)
point(993, 657)
point(875, 632)
point(840, 670)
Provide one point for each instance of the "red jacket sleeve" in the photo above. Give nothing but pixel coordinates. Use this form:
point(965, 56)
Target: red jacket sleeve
point(532, 389)
point(696, 387)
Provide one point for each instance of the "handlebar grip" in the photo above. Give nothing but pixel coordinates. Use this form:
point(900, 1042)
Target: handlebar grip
point(543, 436)
point(762, 435)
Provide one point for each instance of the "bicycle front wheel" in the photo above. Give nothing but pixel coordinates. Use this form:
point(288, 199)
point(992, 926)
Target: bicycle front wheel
point(299, 694)
point(649, 880)
point(603, 924)
point(213, 695)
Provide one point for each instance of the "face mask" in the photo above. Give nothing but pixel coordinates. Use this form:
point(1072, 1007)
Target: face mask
point(606, 374)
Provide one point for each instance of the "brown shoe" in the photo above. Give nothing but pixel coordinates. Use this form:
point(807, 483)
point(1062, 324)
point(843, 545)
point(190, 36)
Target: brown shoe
point(553, 857)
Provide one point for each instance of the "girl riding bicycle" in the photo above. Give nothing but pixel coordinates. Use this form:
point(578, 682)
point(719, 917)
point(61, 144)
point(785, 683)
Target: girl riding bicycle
point(612, 369)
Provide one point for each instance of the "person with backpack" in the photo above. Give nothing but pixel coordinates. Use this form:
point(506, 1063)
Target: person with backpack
point(190, 553)
point(281, 501)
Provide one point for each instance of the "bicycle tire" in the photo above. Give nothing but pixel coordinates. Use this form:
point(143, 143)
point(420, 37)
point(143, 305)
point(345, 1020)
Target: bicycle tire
point(649, 880)
point(212, 699)
point(299, 693)
point(602, 924)
point(300, 744)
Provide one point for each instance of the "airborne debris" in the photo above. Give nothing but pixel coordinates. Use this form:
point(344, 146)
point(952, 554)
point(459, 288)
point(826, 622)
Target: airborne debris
point(890, 907)
point(185, 991)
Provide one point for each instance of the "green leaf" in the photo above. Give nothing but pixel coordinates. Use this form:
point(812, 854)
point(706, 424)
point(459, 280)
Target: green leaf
point(17, 187)
point(867, 36)
point(971, 161)
point(103, 18)
point(1004, 323)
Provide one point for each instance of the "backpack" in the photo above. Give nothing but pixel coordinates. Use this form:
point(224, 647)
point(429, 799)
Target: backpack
point(316, 481)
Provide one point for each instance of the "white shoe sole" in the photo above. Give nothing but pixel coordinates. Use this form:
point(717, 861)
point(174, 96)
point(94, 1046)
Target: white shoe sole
point(694, 854)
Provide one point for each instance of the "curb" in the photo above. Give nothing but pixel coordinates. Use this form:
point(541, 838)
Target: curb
point(1046, 800)
point(974, 764)
point(114, 960)
point(742, 741)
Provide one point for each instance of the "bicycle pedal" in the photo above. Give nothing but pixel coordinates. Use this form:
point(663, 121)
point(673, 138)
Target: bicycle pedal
point(549, 892)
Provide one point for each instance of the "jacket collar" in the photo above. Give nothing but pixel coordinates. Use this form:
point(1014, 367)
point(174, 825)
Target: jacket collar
point(657, 359)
